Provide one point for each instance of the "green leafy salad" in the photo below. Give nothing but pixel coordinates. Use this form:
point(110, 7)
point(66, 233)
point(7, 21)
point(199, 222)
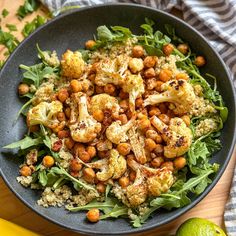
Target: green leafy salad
point(122, 128)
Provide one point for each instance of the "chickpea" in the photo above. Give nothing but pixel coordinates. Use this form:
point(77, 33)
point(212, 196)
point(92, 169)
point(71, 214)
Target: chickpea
point(165, 75)
point(124, 148)
point(98, 115)
point(63, 94)
point(101, 188)
point(158, 86)
point(139, 102)
point(76, 86)
point(170, 113)
point(141, 116)
point(48, 161)
point(183, 48)
point(61, 116)
point(67, 112)
point(132, 175)
point(200, 61)
point(183, 76)
point(152, 134)
point(149, 73)
point(23, 89)
point(93, 215)
point(90, 44)
point(103, 154)
point(186, 119)
point(159, 150)
point(164, 118)
point(84, 156)
point(138, 51)
point(124, 104)
point(75, 166)
point(136, 65)
point(63, 134)
point(89, 175)
point(150, 144)
point(157, 162)
point(91, 77)
point(168, 49)
point(99, 89)
point(110, 89)
point(150, 61)
point(123, 95)
point(78, 148)
point(179, 163)
point(154, 111)
point(144, 124)
point(91, 151)
point(168, 164)
point(69, 143)
point(25, 171)
point(123, 118)
point(158, 139)
point(124, 182)
point(163, 108)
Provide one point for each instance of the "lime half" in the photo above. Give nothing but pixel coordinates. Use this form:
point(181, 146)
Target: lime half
point(199, 227)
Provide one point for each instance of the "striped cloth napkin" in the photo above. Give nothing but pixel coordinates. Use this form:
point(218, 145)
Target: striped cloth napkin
point(216, 20)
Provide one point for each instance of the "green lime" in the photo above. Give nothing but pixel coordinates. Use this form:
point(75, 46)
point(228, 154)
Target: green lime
point(199, 227)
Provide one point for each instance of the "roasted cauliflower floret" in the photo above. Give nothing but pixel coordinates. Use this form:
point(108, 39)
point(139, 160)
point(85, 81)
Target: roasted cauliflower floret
point(134, 86)
point(178, 92)
point(44, 113)
point(72, 64)
point(113, 167)
point(103, 102)
point(117, 133)
point(43, 93)
point(84, 128)
point(177, 136)
point(136, 65)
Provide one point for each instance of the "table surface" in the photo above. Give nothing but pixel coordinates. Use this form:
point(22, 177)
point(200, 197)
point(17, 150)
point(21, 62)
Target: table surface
point(12, 209)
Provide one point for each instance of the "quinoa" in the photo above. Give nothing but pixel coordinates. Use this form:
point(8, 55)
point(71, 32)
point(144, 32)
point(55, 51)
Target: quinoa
point(84, 197)
point(205, 126)
point(44, 93)
point(120, 194)
point(25, 180)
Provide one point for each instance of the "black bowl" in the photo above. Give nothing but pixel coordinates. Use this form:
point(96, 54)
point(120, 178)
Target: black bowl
point(70, 31)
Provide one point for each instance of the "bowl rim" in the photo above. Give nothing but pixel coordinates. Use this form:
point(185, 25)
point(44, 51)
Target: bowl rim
point(184, 209)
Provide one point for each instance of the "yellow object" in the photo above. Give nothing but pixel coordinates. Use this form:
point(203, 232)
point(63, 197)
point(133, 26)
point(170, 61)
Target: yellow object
point(9, 229)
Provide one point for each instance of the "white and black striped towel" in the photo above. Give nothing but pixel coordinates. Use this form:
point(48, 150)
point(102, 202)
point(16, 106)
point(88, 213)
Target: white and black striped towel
point(216, 20)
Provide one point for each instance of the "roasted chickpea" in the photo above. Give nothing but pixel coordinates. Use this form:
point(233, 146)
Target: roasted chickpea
point(101, 188)
point(163, 108)
point(98, 115)
point(200, 61)
point(186, 119)
point(23, 89)
point(144, 124)
point(99, 89)
point(138, 51)
point(170, 113)
point(132, 175)
point(78, 148)
point(123, 182)
point(158, 139)
point(48, 161)
point(179, 163)
point(110, 89)
point(63, 94)
point(168, 49)
point(89, 175)
point(103, 154)
point(69, 142)
point(76, 86)
point(159, 150)
point(154, 111)
point(67, 112)
point(150, 144)
point(139, 102)
point(123, 95)
point(158, 86)
point(183, 48)
point(124, 104)
point(61, 116)
point(25, 171)
point(91, 77)
point(63, 134)
point(93, 215)
point(165, 75)
point(90, 44)
point(91, 151)
point(84, 156)
point(124, 148)
point(123, 118)
point(183, 76)
point(168, 164)
point(164, 118)
point(75, 166)
point(151, 83)
point(141, 116)
point(151, 134)
point(157, 162)
point(150, 61)
point(149, 73)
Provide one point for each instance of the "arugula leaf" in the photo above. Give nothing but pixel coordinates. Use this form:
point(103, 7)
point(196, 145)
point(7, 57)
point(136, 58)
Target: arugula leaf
point(171, 31)
point(85, 54)
point(1, 63)
point(43, 179)
point(115, 212)
point(28, 7)
point(5, 12)
point(8, 40)
point(11, 27)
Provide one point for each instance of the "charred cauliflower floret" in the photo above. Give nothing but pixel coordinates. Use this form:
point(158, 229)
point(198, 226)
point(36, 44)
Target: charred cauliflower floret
point(177, 136)
point(134, 86)
point(72, 64)
point(44, 113)
point(43, 93)
point(178, 92)
point(136, 65)
point(113, 167)
point(84, 128)
point(117, 133)
point(103, 102)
